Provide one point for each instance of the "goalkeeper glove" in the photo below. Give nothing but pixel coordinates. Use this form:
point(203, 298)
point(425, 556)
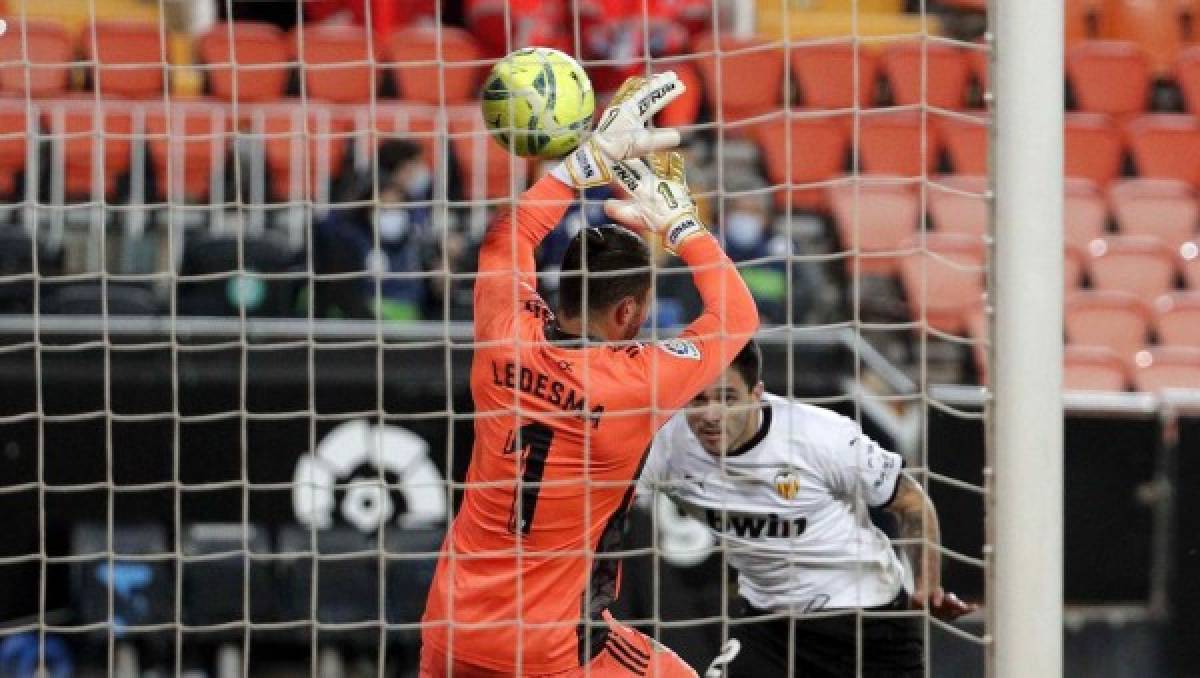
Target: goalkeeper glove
point(661, 203)
point(622, 131)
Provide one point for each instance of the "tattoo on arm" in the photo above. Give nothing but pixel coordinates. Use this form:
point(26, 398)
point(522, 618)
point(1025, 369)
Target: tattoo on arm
point(918, 524)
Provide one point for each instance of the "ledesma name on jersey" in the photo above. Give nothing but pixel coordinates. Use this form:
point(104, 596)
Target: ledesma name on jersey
point(544, 386)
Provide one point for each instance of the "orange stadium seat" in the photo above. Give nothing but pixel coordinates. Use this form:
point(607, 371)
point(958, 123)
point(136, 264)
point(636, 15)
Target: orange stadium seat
point(751, 77)
point(237, 57)
point(1187, 74)
point(1112, 318)
point(1157, 27)
point(129, 58)
point(931, 73)
point(336, 63)
point(82, 126)
point(979, 66)
point(890, 143)
point(1162, 367)
point(685, 110)
point(825, 74)
point(49, 51)
point(1164, 208)
point(1166, 146)
point(966, 142)
point(1080, 21)
point(1109, 77)
point(875, 219)
point(1093, 368)
point(959, 207)
point(1085, 213)
point(188, 146)
point(818, 151)
point(1092, 147)
point(1142, 265)
point(289, 158)
point(14, 125)
point(944, 282)
point(1189, 264)
point(1073, 264)
point(503, 174)
point(1177, 318)
point(457, 76)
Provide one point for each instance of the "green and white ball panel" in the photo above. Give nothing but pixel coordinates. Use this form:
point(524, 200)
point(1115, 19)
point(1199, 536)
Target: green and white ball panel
point(538, 102)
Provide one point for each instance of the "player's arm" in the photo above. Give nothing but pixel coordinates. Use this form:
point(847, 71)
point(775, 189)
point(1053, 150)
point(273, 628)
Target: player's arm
point(507, 271)
point(918, 527)
point(662, 207)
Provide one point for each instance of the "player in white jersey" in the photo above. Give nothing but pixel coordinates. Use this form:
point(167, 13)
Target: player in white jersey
point(787, 487)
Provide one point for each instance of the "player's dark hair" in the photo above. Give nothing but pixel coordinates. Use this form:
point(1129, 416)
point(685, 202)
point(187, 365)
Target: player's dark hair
point(619, 257)
point(748, 364)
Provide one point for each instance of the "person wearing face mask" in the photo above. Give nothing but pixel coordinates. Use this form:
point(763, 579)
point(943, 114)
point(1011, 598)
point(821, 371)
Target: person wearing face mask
point(748, 237)
point(389, 230)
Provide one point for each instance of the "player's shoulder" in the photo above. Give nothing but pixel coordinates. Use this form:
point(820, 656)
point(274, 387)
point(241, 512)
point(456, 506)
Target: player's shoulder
point(810, 424)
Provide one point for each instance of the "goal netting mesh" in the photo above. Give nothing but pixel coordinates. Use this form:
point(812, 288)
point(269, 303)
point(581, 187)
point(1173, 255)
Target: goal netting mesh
point(236, 261)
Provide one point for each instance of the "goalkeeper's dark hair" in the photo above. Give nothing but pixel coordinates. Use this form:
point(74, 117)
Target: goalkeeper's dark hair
point(748, 364)
point(618, 266)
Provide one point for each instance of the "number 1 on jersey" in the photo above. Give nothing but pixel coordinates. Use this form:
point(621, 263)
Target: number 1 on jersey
point(533, 441)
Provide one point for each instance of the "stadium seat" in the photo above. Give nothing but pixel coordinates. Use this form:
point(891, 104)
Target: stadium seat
point(1177, 318)
point(685, 110)
point(751, 78)
point(1112, 318)
point(1142, 265)
point(486, 170)
point(1187, 74)
point(15, 123)
point(944, 281)
point(458, 75)
point(979, 66)
point(1164, 367)
point(1092, 147)
point(1085, 212)
point(336, 62)
point(1073, 265)
point(288, 158)
point(1109, 77)
point(818, 152)
point(957, 205)
point(250, 48)
point(966, 142)
point(118, 46)
point(890, 143)
point(930, 72)
point(1156, 27)
point(1080, 21)
point(49, 51)
point(1163, 208)
point(188, 146)
point(1189, 264)
point(875, 219)
point(82, 127)
point(1166, 146)
point(825, 74)
point(1093, 368)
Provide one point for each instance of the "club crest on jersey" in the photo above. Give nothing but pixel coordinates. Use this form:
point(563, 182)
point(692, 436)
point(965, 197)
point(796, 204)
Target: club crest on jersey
point(680, 348)
point(787, 484)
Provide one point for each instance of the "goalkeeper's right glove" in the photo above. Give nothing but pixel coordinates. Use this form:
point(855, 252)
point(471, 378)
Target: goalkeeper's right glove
point(622, 132)
point(660, 202)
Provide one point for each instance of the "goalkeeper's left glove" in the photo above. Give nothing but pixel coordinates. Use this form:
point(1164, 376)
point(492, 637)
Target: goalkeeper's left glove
point(622, 133)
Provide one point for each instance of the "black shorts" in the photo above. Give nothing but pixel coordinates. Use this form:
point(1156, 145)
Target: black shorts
point(826, 647)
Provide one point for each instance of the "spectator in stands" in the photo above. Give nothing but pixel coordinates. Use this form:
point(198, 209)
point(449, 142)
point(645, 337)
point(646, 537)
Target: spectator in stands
point(546, 23)
point(748, 234)
point(401, 219)
point(385, 15)
point(626, 30)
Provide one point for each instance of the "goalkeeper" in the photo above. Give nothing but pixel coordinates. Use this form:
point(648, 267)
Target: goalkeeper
point(566, 405)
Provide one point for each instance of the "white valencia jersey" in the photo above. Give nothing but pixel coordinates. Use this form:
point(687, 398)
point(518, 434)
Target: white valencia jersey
point(790, 506)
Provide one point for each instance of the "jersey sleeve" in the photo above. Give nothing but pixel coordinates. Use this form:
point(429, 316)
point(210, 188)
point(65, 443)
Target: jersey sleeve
point(654, 471)
point(507, 272)
point(858, 466)
point(678, 369)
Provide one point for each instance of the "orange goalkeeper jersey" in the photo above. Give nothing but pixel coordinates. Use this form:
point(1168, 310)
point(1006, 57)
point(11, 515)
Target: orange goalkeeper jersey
point(561, 431)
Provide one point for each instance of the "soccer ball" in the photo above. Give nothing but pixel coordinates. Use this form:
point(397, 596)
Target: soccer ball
point(538, 102)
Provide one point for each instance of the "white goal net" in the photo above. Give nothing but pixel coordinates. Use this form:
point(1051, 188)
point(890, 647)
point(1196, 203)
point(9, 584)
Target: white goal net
point(238, 240)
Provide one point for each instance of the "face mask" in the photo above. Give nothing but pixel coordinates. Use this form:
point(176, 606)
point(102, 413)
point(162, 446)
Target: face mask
point(743, 229)
point(417, 185)
point(393, 225)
